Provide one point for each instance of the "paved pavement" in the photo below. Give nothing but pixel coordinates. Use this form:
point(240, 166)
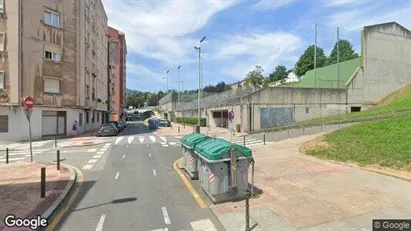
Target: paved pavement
point(136, 188)
point(20, 189)
point(298, 192)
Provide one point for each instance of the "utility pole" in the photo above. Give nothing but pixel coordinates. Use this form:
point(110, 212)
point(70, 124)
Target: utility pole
point(315, 57)
point(178, 87)
point(167, 80)
point(199, 82)
point(338, 56)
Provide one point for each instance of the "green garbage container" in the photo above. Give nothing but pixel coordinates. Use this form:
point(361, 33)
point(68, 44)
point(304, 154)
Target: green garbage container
point(221, 177)
point(188, 144)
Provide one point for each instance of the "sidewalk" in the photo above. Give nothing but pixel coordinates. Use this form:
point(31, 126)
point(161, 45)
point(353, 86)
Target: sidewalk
point(298, 192)
point(20, 190)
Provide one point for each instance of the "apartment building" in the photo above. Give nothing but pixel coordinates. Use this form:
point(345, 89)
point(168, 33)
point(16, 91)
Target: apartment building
point(48, 58)
point(118, 53)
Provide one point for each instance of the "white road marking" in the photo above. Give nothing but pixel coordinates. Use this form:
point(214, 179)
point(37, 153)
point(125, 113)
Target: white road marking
point(146, 145)
point(92, 161)
point(11, 159)
point(101, 223)
point(154, 172)
point(166, 229)
point(118, 139)
point(141, 138)
point(163, 143)
point(128, 145)
point(149, 154)
point(166, 217)
point(87, 166)
point(124, 156)
point(117, 175)
point(203, 225)
point(130, 139)
point(153, 138)
point(163, 138)
point(96, 156)
point(103, 149)
point(92, 150)
point(100, 153)
point(172, 143)
point(107, 145)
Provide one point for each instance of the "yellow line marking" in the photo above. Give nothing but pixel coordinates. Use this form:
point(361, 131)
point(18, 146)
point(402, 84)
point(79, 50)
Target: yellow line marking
point(189, 186)
point(67, 204)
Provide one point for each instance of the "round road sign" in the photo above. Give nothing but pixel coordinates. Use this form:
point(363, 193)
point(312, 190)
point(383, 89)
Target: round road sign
point(28, 102)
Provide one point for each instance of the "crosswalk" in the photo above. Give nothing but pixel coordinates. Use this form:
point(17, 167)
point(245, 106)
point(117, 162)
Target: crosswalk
point(249, 141)
point(200, 225)
point(147, 139)
point(16, 155)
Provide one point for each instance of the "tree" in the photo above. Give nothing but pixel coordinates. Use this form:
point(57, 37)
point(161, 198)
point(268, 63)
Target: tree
point(306, 61)
point(255, 77)
point(346, 52)
point(266, 82)
point(279, 73)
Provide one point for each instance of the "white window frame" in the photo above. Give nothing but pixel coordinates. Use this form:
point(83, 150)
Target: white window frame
point(2, 78)
point(3, 41)
point(54, 22)
point(1, 6)
point(54, 56)
point(52, 91)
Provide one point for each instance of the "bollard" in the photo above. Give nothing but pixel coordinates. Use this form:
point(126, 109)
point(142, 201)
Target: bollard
point(58, 159)
point(55, 142)
point(178, 129)
point(244, 140)
point(264, 138)
point(247, 211)
point(7, 155)
point(184, 125)
point(43, 183)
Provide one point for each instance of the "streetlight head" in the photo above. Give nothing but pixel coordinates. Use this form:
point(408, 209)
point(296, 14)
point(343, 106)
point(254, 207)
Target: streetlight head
point(196, 47)
point(178, 66)
point(202, 39)
point(167, 71)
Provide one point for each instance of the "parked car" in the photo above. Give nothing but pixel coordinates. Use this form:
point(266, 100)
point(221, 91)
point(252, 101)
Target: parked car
point(118, 125)
point(108, 130)
point(123, 123)
point(163, 123)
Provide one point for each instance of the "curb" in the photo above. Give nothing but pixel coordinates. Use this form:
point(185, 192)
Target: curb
point(49, 212)
point(369, 170)
point(85, 145)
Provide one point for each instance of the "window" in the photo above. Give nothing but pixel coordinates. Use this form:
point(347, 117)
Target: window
point(2, 41)
point(52, 56)
point(93, 94)
point(87, 92)
point(52, 19)
point(51, 85)
point(86, 12)
point(80, 119)
point(4, 123)
point(307, 110)
point(1, 79)
point(92, 118)
point(98, 117)
point(1, 6)
point(87, 118)
point(355, 109)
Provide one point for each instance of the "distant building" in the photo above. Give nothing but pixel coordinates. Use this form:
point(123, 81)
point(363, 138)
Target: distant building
point(292, 77)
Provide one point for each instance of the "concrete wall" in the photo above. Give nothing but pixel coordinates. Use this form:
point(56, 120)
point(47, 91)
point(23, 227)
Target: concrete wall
point(387, 60)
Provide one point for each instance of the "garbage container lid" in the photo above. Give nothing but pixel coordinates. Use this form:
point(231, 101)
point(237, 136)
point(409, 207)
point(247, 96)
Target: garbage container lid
point(193, 139)
point(215, 149)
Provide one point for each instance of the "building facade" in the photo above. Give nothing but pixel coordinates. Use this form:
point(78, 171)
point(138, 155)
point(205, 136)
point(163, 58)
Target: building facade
point(118, 53)
point(48, 59)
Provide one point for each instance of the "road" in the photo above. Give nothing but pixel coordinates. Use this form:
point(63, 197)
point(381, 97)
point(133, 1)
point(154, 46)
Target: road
point(131, 185)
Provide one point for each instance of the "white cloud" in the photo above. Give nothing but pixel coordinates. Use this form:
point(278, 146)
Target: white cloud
point(242, 52)
point(266, 5)
point(159, 29)
point(338, 3)
point(355, 20)
point(143, 73)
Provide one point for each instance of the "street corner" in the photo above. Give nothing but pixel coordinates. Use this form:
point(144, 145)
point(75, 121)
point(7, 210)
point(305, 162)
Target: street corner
point(178, 167)
point(43, 187)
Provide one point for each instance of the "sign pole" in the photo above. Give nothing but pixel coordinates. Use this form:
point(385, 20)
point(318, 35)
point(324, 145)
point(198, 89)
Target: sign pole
point(31, 147)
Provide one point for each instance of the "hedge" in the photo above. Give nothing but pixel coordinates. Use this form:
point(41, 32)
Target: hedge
point(191, 121)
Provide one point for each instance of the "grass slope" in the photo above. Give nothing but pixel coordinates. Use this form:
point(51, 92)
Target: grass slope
point(385, 143)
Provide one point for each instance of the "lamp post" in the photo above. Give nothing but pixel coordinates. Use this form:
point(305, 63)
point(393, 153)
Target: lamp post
point(167, 80)
point(178, 87)
point(182, 88)
point(199, 82)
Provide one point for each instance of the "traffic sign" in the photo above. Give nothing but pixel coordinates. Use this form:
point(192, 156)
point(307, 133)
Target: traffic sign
point(28, 102)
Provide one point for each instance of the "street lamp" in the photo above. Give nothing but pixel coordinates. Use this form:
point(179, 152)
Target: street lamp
point(199, 81)
point(167, 80)
point(182, 89)
point(178, 87)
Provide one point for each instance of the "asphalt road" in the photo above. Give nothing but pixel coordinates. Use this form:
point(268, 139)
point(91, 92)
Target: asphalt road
point(137, 189)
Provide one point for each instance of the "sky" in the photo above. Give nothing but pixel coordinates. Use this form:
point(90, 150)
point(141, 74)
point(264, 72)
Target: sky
point(240, 34)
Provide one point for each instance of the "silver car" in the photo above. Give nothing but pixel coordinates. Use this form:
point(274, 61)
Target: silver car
point(108, 130)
